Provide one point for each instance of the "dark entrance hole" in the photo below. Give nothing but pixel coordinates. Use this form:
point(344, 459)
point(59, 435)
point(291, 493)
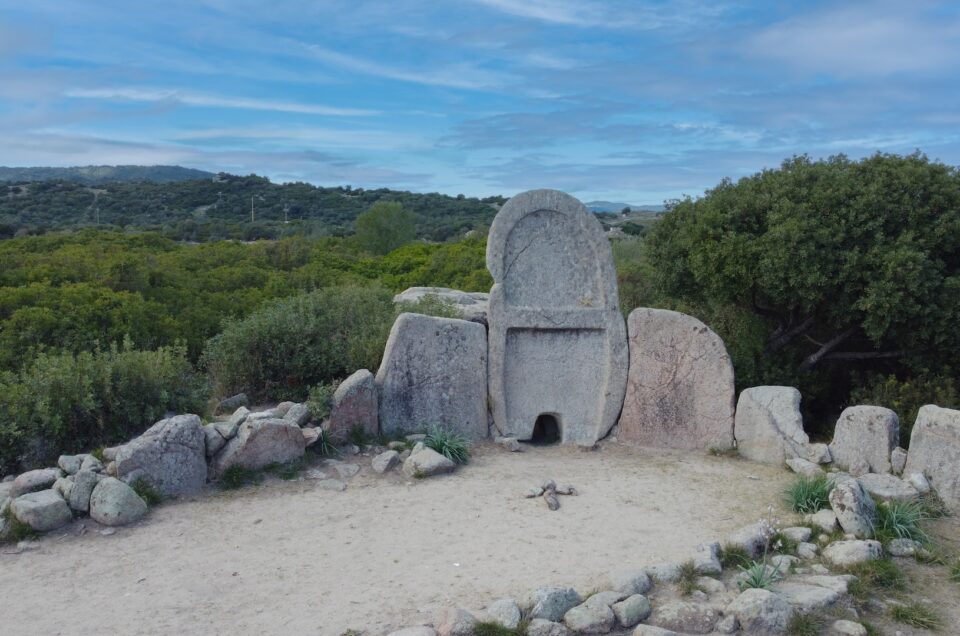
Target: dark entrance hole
point(546, 430)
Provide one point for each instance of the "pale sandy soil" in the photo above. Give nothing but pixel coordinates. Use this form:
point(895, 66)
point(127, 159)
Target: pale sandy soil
point(291, 558)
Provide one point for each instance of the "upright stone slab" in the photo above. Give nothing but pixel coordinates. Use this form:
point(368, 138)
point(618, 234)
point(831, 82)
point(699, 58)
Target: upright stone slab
point(434, 373)
point(558, 347)
point(680, 390)
point(935, 452)
point(171, 455)
point(768, 425)
point(865, 434)
point(354, 405)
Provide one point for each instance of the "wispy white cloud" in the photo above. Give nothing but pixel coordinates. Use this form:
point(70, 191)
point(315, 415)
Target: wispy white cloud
point(555, 11)
point(189, 98)
point(344, 138)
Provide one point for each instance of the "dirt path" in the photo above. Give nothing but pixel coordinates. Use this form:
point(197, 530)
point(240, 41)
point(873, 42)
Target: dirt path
point(291, 558)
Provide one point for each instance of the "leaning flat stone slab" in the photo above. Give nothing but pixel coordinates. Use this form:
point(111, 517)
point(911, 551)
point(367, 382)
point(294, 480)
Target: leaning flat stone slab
point(866, 434)
point(355, 404)
point(935, 452)
point(680, 389)
point(806, 598)
point(558, 344)
point(434, 373)
point(852, 505)
point(768, 425)
point(171, 455)
point(804, 467)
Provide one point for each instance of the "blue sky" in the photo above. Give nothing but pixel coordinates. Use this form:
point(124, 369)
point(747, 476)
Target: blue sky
point(623, 100)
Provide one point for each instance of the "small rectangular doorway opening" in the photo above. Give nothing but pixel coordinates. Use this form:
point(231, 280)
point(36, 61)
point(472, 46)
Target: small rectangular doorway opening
point(546, 430)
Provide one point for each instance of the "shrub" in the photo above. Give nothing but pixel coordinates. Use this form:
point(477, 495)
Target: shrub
point(688, 578)
point(147, 492)
point(916, 615)
point(805, 624)
point(759, 575)
point(449, 444)
point(280, 350)
point(809, 494)
point(320, 400)
point(907, 396)
point(237, 476)
point(69, 402)
point(431, 305)
point(900, 520)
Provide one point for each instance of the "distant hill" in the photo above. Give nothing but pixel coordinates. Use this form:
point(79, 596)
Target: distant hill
point(96, 175)
point(613, 206)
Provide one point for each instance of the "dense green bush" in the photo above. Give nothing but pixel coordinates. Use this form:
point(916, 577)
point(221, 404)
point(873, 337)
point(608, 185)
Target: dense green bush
point(68, 402)
point(289, 345)
point(907, 396)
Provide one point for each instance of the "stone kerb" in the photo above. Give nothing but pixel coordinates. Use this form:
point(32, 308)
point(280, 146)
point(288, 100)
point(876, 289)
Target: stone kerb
point(557, 340)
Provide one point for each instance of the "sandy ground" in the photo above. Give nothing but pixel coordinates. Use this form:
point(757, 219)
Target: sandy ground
point(292, 558)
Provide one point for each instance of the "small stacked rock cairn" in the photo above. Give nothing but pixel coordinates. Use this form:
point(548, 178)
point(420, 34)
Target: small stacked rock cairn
point(549, 491)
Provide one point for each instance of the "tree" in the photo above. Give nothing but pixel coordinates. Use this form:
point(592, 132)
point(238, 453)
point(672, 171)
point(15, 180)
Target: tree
point(384, 227)
point(852, 265)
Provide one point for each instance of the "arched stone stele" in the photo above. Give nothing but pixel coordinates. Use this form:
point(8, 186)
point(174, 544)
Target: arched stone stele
point(557, 341)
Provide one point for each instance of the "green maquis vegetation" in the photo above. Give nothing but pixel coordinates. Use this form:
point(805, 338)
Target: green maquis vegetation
point(834, 276)
point(226, 207)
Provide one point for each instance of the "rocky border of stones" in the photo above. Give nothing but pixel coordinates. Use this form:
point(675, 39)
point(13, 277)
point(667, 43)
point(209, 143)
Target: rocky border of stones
point(177, 457)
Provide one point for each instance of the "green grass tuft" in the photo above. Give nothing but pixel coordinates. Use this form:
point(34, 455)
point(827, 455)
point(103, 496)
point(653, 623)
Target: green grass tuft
point(805, 624)
point(449, 444)
point(287, 471)
point(237, 477)
point(809, 494)
point(734, 556)
point(324, 445)
point(688, 578)
point(955, 572)
point(916, 615)
point(900, 520)
point(759, 575)
point(933, 505)
point(881, 574)
point(489, 628)
point(783, 544)
point(147, 492)
point(16, 529)
point(731, 453)
point(98, 453)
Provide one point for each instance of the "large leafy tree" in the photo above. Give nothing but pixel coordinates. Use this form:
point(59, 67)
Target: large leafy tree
point(851, 265)
point(385, 227)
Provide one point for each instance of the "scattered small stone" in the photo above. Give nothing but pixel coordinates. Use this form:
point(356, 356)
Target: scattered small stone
point(385, 461)
point(510, 443)
point(396, 446)
point(548, 485)
point(797, 533)
point(533, 493)
point(543, 627)
point(631, 610)
point(552, 502)
point(565, 489)
point(819, 453)
point(685, 617)
point(106, 532)
point(848, 628)
point(919, 481)
point(903, 547)
point(630, 581)
point(846, 553)
point(346, 471)
point(664, 572)
point(590, 619)
point(350, 449)
point(711, 585)
point(332, 484)
point(706, 559)
point(426, 463)
point(606, 598)
point(28, 545)
point(806, 598)
point(551, 603)
point(310, 435)
point(420, 630)
point(313, 473)
point(750, 538)
point(761, 612)
point(804, 467)
point(505, 612)
point(807, 551)
point(826, 520)
point(455, 621)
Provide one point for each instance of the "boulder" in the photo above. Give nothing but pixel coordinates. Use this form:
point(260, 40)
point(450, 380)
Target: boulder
point(685, 617)
point(355, 405)
point(543, 627)
point(434, 372)
point(470, 306)
point(505, 612)
point(552, 603)
point(887, 487)
point(426, 463)
point(34, 480)
point(903, 547)
point(631, 610)
point(768, 425)
point(590, 618)
point(42, 510)
point(92, 464)
point(750, 538)
point(898, 460)
point(854, 508)
point(114, 503)
point(385, 461)
point(807, 551)
point(607, 598)
point(847, 553)
point(797, 534)
point(232, 403)
point(298, 414)
point(706, 559)
point(819, 454)
point(229, 428)
point(664, 572)
point(826, 520)
point(213, 440)
point(455, 621)
point(865, 434)
point(804, 467)
point(804, 597)
point(170, 455)
point(629, 581)
point(935, 452)
point(311, 435)
point(258, 443)
point(83, 484)
point(70, 463)
point(761, 612)
point(680, 389)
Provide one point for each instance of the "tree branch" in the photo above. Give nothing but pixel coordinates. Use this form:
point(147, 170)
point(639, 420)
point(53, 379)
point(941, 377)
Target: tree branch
point(812, 359)
point(781, 337)
point(866, 355)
